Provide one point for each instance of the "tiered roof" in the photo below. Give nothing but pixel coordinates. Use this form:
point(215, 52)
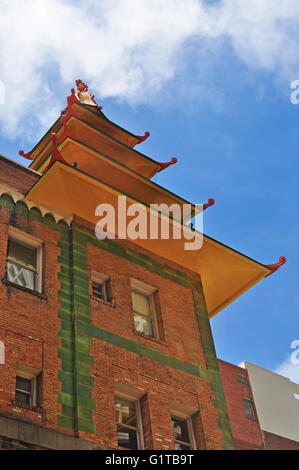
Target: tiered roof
point(85, 159)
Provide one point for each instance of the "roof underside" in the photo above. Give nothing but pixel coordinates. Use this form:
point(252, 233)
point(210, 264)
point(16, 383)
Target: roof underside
point(225, 273)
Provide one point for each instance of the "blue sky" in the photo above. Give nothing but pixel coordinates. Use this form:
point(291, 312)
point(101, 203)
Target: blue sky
point(214, 92)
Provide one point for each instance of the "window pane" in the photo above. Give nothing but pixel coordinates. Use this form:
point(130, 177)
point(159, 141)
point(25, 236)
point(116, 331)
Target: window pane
point(180, 430)
point(23, 384)
point(98, 290)
point(249, 408)
point(242, 378)
point(179, 446)
point(20, 276)
point(22, 398)
point(141, 303)
point(127, 438)
point(24, 254)
point(125, 413)
point(143, 324)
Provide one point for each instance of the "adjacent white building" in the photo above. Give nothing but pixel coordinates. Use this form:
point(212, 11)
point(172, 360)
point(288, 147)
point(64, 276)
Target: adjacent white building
point(275, 401)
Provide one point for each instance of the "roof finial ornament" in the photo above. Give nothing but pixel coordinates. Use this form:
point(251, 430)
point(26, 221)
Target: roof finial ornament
point(173, 161)
point(142, 138)
point(70, 101)
point(25, 155)
point(210, 203)
point(275, 267)
point(84, 96)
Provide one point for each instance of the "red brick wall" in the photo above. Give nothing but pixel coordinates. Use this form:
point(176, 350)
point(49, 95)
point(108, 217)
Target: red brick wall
point(21, 179)
point(28, 323)
point(29, 328)
point(161, 385)
point(175, 302)
point(274, 442)
point(246, 432)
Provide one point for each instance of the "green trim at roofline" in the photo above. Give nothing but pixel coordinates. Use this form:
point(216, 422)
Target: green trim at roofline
point(76, 330)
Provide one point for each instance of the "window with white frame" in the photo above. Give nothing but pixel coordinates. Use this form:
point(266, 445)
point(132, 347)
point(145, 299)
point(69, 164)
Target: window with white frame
point(182, 432)
point(101, 287)
point(129, 425)
point(144, 308)
point(24, 260)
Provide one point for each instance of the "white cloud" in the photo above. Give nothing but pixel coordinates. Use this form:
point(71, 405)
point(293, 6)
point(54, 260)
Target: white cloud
point(289, 370)
point(128, 49)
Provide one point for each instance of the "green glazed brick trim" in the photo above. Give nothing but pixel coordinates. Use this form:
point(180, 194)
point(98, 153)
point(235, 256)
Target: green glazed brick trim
point(65, 421)
point(74, 295)
point(213, 367)
point(212, 373)
point(65, 375)
point(141, 350)
point(86, 426)
point(82, 359)
point(7, 202)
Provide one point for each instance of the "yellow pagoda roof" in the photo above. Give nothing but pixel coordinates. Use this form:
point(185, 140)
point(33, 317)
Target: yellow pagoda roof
point(85, 160)
point(225, 273)
point(85, 133)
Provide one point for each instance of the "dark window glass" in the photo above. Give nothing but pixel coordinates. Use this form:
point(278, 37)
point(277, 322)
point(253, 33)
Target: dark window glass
point(181, 433)
point(242, 378)
point(127, 424)
point(249, 408)
point(23, 390)
point(100, 290)
point(127, 438)
point(179, 446)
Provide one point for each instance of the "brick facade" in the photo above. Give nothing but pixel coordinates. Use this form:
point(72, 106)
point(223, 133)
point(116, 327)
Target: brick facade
point(86, 349)
point(246, 431)
point(274, 442)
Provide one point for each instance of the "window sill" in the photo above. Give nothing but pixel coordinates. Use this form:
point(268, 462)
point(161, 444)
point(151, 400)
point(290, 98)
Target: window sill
point(24, 289)
point(26, 407)
point(105, 302)
point(251, 418)
point(150, 338)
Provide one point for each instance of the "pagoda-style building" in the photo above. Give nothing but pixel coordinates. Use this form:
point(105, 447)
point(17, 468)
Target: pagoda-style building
point(108, 341)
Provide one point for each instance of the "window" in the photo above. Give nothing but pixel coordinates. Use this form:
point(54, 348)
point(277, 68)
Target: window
point(28, 386)
point(23, 264)
point(242, 378)
point(249, 408)
point(144, 309)
point(182, 432)
point(128, 417)
point(25, 391)
point(101, 287)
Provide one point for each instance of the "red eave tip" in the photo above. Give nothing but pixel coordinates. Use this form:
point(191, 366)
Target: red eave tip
point(275, 267)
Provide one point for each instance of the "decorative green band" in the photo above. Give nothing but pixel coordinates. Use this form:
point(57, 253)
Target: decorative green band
point(141, 350)
point(76, 331)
